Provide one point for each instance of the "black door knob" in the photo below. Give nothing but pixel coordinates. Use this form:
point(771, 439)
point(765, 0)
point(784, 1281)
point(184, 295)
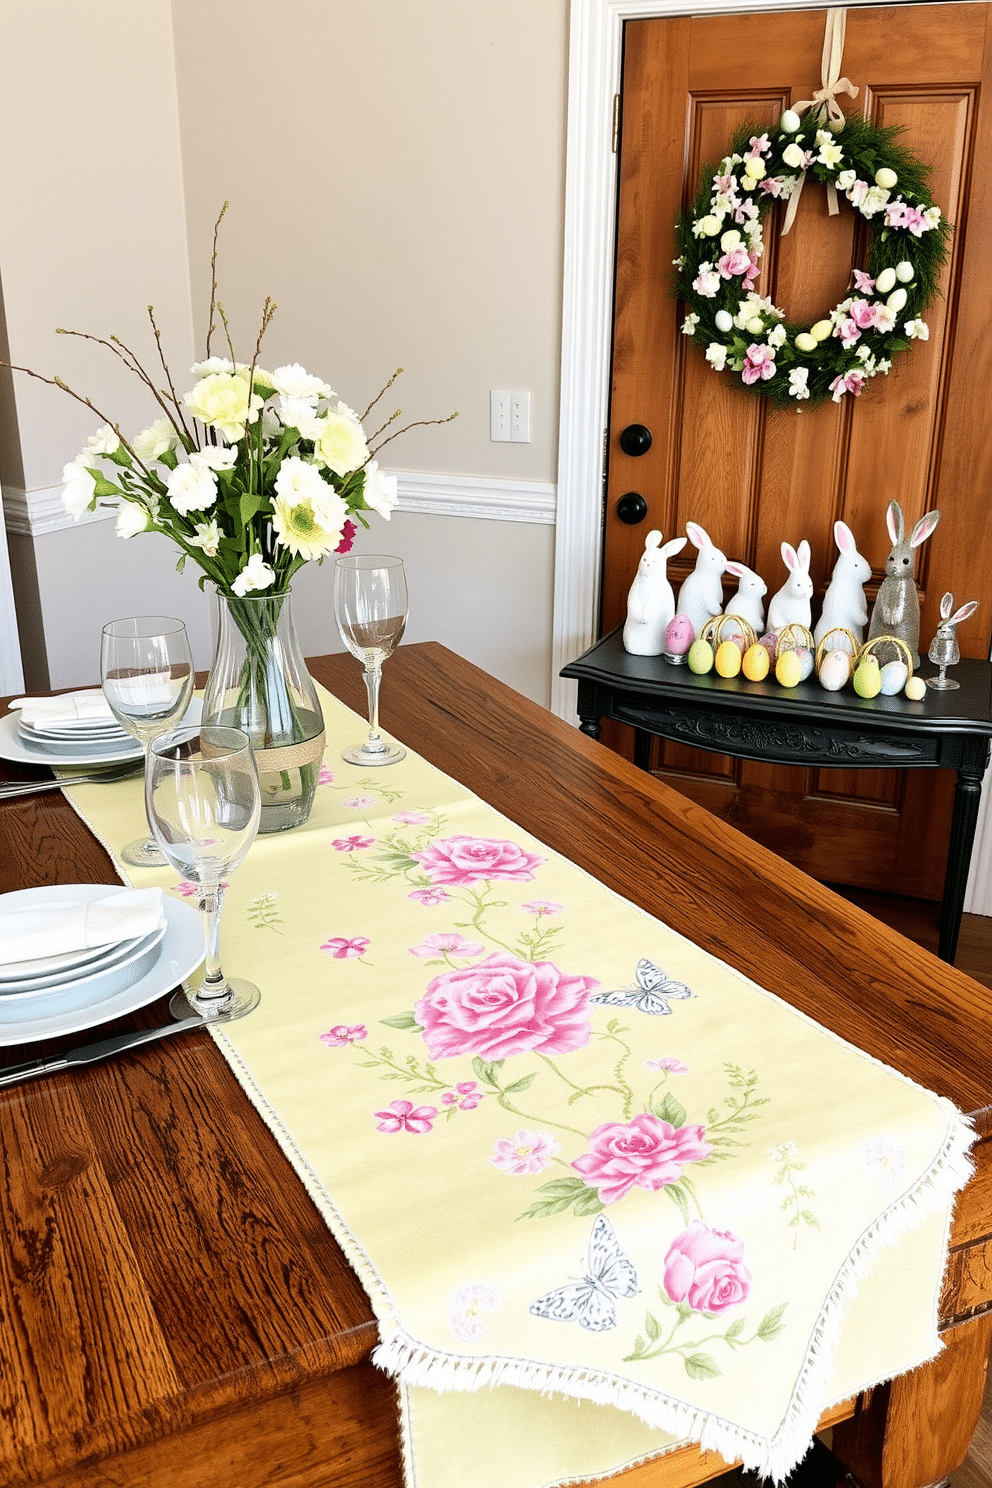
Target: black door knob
point(632, 508)
point(635, 440)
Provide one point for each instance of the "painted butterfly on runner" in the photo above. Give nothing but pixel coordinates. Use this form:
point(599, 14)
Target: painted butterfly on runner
point(650, 995)
point(589, 1302)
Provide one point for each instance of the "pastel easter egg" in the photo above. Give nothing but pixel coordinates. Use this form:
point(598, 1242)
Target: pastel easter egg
point(868, 678)
point(894, 677)
point(885, 178)
point(724, 320)
point(727, 660)
point(885, 281)
point(806, 660)
point(905, 271)
point(897, 299)
point(788, 669)
point(770, 642)
point(756, 325)
point(821, 330)
point(835, 670)
point(701, 658)
point(679, 635)
point(806, 342)
point(915, 689)
point(756, 663)
point(790, 121)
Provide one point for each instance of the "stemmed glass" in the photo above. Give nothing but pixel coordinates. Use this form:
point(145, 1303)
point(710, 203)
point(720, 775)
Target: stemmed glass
point(146, 667)
point(370, 603)
point(203, 800)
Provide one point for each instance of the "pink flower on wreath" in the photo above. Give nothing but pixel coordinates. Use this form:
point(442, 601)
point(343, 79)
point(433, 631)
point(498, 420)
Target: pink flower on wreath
point(466, 1304)
point(706, 1268)
point(863, 283)
point(916, 221)
point(446, 943)
point(760, 363)
point(772, 185)
point(326, 776)
point(851, 382)
point(467, 860)
point(351, 844)
point(347, 538)
point(759, 147)
point(669, 1063)
point(848, 331)
point(542, 907)
point(412, 818)
point(343, 950)
point(343, 1034)
point(466, 1096)
point(646, 1152)
point(526, 1152)
point(505, 1006)
point(863, 314)
point(736, 262)
point(402, 1115)
point(430, 896)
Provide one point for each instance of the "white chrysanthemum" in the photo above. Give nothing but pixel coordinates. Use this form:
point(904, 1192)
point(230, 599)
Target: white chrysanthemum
point(155, 441)
point(300, 414)
point(221, 400)
point(846, 180)
point(207, 537)
point(215, 457)
point(104, 442)
point(380, 491)
point(308, 515)
point(212, 365)
point(78, 490)
point(132, 518)
point(294, 381)
point(191, 488)
point(341, 444)
point(716, 355)
point(256, 574)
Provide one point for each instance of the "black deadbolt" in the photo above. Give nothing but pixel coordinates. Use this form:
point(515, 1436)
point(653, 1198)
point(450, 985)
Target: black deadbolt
point(632, 508)
point(635, 440)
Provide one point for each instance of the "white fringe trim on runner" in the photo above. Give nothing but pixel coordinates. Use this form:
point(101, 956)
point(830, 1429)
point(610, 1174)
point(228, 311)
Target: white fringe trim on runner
point(774, 1457)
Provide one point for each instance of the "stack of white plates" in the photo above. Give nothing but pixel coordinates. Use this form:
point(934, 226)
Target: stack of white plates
point(79, 989)
point(75, 738)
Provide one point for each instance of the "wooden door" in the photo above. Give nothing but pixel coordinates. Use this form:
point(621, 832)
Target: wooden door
point(753, 476)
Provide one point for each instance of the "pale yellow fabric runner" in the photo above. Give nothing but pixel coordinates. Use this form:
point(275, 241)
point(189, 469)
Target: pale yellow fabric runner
point(569, 1153)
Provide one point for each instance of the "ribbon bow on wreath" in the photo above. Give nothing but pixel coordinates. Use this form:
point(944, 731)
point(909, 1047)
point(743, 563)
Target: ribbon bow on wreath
point(721, 242)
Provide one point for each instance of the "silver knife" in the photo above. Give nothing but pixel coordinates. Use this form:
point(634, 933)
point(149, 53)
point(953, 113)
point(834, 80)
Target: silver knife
point(91, 1053)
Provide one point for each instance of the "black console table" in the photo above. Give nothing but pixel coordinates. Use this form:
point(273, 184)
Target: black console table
point(804, 725)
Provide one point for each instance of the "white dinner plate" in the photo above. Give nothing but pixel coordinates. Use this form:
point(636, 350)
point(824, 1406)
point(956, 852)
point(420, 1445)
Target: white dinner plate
point(58, 750)
point(116, 958)
point(178, 956)
point(13, 747)
point(66, 733)
point(65, 963)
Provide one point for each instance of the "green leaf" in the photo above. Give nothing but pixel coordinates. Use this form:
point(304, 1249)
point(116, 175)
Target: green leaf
point(544, 1209)
point(182, 563)
point(562, 1187)
point(735, 1329)
point(701, 1366)
point(678, 1198)
point(249, 504)
point(105, 487)
point(589, 1203)
point(169, 458)
point(669, 1109)
point(652, 1327)
point(402, 1020)
point(771, 1324)
point(487, 1070)
point(519, 1086)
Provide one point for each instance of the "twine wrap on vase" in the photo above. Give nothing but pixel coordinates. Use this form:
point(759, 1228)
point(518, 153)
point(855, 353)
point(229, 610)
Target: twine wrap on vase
point(823, 106)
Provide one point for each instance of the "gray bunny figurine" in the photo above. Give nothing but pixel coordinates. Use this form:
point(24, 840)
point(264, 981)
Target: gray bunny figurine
point(897, 608)
point(944, 649)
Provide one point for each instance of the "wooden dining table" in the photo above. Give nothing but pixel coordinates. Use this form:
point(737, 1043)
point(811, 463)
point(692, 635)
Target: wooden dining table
point(174, 1310)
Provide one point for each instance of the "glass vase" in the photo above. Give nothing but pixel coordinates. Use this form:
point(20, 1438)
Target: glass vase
point(258, 682)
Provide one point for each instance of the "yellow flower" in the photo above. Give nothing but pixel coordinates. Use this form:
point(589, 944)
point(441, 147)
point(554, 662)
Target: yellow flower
point(341, 444)
point(221, 400)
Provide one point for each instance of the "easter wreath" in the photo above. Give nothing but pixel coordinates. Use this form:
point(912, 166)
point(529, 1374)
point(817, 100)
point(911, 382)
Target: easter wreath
point(721, 242)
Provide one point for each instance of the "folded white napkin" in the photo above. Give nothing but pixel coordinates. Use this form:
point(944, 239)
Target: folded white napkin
point(86, 707)
point(52, 929)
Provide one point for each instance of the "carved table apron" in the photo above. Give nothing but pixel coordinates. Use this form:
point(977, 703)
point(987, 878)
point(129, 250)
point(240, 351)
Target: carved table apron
point(804, 725)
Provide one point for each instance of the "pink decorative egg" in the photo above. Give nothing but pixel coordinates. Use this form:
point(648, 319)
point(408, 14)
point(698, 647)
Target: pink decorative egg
point(679, 635)
point(770, 642)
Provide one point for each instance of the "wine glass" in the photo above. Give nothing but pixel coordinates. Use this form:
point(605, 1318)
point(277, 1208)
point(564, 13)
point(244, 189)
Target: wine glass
point(147, 672)
point(203, 801)
point(370, 603)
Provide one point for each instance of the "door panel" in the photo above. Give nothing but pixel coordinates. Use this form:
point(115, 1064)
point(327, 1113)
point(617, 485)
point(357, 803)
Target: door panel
point(752, 476)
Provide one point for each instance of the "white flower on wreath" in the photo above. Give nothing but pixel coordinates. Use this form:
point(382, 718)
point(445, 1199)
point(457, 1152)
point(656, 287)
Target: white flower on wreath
point(207, 538)
point(294, 381)
point(828, 152)
point(846, 180)
point(214, 457)
point(132, 518)
point(716, 355)
point(885, 318)
point(874, 200)
point(776, 336)
point(706, 227)
point(104, 442)
point(221, 401)
point(341, 444)
point(256, 575)
point(78, 489)
point(381, 491)
point(798, 383)
point(707, 281)
point(931, 216)
point(917, 330)
point(793, 156)
point(157, 440)
point(191, 488)
point(689, 325)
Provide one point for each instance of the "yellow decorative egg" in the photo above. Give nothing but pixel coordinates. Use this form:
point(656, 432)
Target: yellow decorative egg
point(728, 659)
point(806, 342)
point(789, 669)
point(885, 281)
point(886, 178)
point(916, 689)
point(756, 663)
point(868, 678)
point(701, 657)
point(821, 330)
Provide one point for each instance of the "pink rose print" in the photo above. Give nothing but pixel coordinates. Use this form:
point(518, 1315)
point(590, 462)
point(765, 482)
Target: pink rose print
point(447, 944)
point(412, 818)
point(647, 1152)
point(351, 844)
point(326, 776)
point(674, 1066)
point(505, 1006)
point(542, 907)
point(706, 1268)
point(358, 803)
point(342, 949)
point(343, 1034)
point(402, 1115)
point(430, 896)
point(466, 1096)
point(466, 1304)
point(466, 860)
point(526, 1152)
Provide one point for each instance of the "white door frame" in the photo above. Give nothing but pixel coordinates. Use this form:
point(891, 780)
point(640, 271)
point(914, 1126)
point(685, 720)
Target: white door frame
point(595, 43)
point(11, 673)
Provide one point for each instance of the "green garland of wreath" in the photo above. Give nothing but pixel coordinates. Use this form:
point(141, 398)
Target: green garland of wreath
point(720, 243)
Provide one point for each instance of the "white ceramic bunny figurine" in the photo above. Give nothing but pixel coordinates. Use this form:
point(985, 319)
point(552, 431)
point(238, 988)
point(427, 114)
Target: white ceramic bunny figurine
point(844, 604)
point(650, 600)
point(747, 601)
point(791, 605)
point(944, 649)
point(701, 594)
point(897, 608)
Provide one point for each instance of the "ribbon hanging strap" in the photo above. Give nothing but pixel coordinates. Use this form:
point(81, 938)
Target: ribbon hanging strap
point(823, 106)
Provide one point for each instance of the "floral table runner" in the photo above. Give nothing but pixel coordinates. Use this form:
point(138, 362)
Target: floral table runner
point(570, 1154)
